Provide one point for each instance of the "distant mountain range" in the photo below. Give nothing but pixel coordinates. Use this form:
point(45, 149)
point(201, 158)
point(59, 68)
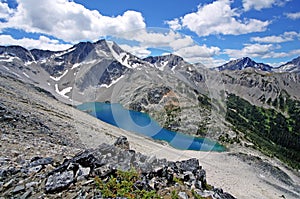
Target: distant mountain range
point(80, 51)
point(246, 62)
point(103, 63)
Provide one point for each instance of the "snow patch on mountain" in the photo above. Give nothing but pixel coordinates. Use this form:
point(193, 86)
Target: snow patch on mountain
point(76, 65)
point(58, 78)
point(162, 65)
point(101, 52)
point(292, 66)
point(26, 75)
point(59, 54)
point(84, 63)
point(6, 68)
point(63, 92)
point(7, 58)
point(29, 63)
point(112, 82)
point(122, 57)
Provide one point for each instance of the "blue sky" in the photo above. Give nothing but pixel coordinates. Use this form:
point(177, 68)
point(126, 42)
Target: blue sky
point(207, 31)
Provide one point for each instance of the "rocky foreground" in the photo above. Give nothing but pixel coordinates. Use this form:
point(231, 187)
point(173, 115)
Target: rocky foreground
point(79, 176)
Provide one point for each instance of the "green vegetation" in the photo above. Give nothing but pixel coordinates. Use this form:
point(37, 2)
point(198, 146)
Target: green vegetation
point(172, 119)
point(174, 195)
point(122, 184)
point(274, 132)
point(177, 180)
point(226, 139)
point(204, 101)
point(196, 196)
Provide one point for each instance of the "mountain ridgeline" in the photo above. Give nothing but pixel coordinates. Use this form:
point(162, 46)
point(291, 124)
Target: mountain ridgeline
point(243, 63)
point(255, 105)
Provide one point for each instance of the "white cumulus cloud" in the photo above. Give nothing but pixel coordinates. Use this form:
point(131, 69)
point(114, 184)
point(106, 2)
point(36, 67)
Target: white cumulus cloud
point(199, 54)
point(293, 15)
point(69, 21)
point(43, 43)
point(260, 4)
point(5, 11)
point(198, 51)
point(263, 51)
point(138, 51)
point(174, 24)
point(182, 45)
point(218, 18)
point(159, 38)
point(286, 36)
point(250, 50)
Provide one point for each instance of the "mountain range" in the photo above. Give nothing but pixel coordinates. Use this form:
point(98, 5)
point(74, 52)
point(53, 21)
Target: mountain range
point(218, 103)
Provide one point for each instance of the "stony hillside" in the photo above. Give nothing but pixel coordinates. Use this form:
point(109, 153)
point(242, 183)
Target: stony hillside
point(43, 156)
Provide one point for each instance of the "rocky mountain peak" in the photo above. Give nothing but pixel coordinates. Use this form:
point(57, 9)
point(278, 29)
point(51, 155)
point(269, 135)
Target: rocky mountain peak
point(291, 66)
point(42, 54)
point(16, 52)
point(296, 61)
point(242, 63)
point(115, 47)
point(247, 61)
point(102, 45)
point(170, 60)
point(80, 52)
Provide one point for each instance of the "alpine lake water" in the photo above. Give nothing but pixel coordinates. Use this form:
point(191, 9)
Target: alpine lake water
point(141, 123)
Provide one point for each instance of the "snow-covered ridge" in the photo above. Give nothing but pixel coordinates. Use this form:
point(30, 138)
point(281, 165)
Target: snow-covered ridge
point(123, 57)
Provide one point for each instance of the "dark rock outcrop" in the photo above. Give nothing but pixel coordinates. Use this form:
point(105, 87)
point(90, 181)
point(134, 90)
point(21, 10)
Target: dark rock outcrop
point(59, 181)
point(156, 94)
point(122, 142)
point(170, 61)
point(17, 52)
point(75, 177)
point(106, 160)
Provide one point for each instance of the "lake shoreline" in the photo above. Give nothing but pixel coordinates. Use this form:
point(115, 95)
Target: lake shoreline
point(141, 123)
point(224, 169)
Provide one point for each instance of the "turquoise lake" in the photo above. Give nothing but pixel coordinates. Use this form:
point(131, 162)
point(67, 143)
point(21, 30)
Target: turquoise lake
point(115, 114)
